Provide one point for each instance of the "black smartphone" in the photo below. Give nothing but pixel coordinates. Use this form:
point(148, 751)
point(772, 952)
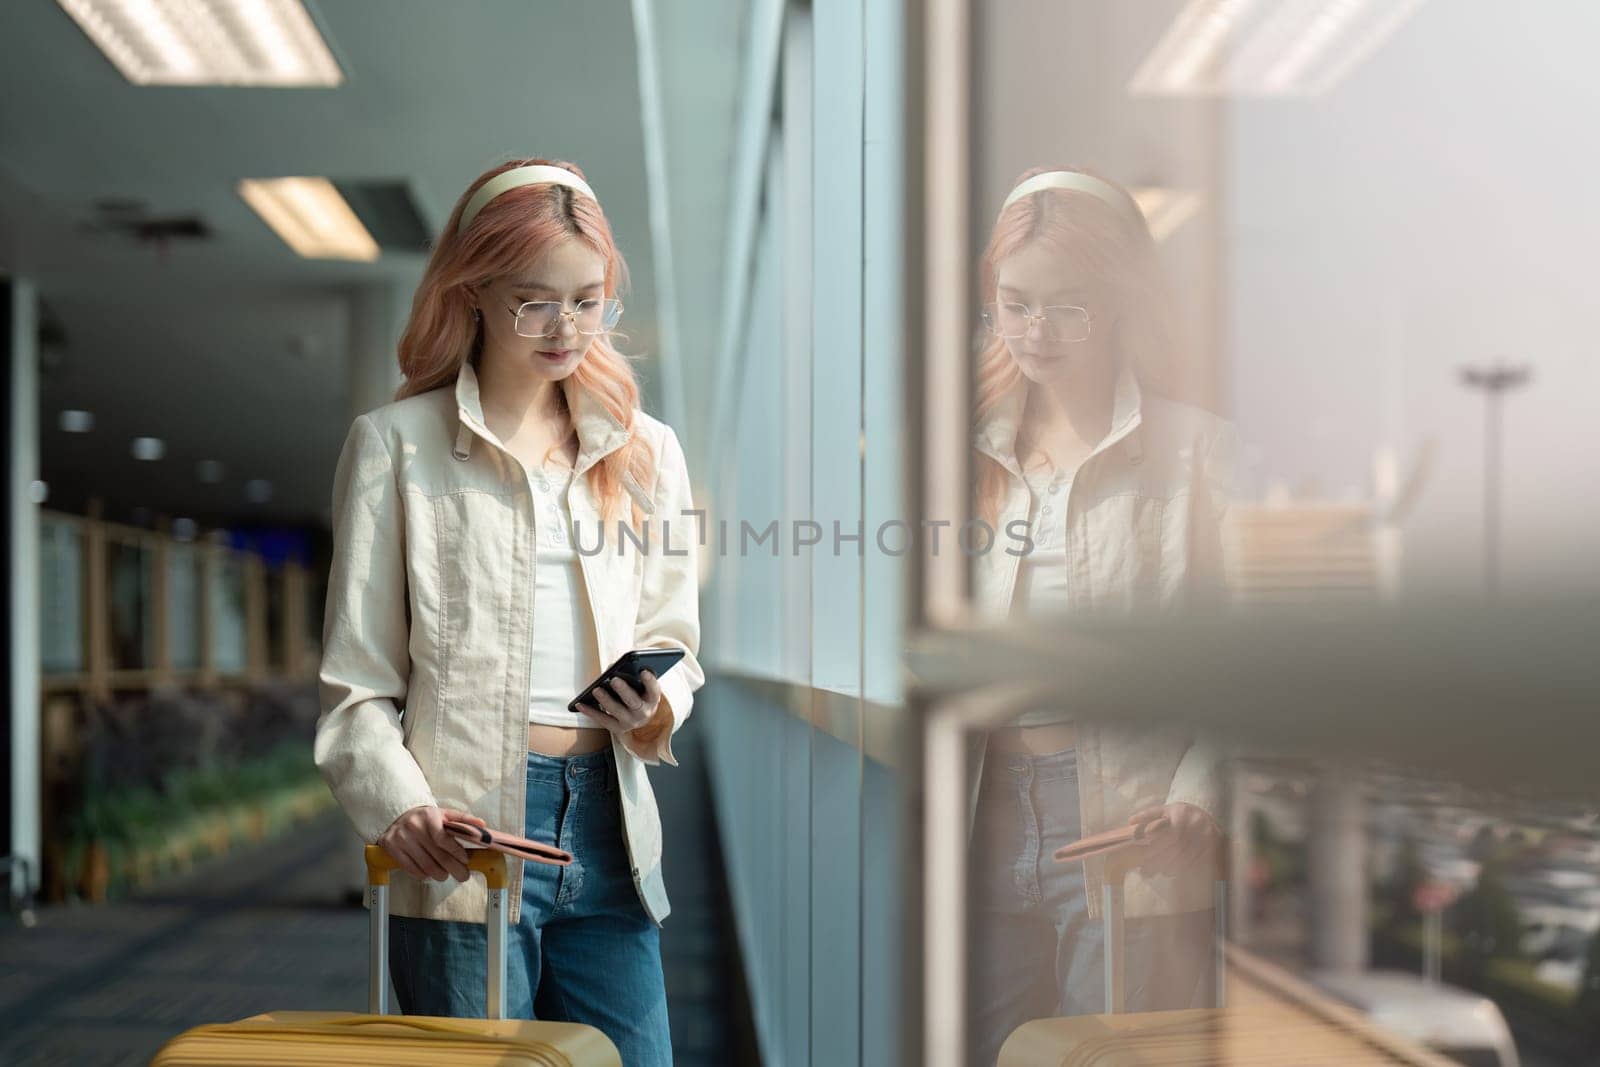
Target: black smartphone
point(629, 665)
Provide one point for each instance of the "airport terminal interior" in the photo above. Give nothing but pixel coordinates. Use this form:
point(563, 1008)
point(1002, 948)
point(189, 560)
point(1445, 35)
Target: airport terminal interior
point(1123, 486)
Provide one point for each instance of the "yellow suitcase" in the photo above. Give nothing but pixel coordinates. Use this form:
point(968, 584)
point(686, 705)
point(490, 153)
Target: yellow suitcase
point(1269, 1019)
point(1115, 1039)
point(297, 1038)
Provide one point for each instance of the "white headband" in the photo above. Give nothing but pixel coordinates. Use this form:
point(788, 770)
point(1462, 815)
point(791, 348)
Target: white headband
point(512, 179)
point(1076, 181)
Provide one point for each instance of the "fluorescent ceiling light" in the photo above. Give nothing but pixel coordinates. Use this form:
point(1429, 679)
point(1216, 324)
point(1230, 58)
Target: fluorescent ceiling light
point(1361, 37)
point(311, 217)
point(1167, 209)
point(208, 42)
point(149, 449)
point(73, 420)
point(1190, 51)
point(1261, 48)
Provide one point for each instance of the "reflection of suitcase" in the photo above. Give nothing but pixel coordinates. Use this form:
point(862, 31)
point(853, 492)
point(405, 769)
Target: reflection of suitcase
point(1272, 1019)
point(287, 1038)
point(1146, 1039)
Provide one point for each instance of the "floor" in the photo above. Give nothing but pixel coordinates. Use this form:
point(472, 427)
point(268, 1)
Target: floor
point(270, 929)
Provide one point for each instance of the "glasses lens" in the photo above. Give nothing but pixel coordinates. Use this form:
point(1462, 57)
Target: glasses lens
point(598, 316)
point(542, 318)
point(1067, 323)
point(590, 315)
point(1011, 319)
point(538, 319)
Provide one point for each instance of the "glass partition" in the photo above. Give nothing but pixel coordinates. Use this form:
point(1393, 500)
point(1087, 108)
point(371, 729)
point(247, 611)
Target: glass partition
point(1254, 697)
point(130, 571)
point(275, 588)
point(61, 633)
point(805, 618)
point(185, 578)
point(229, 649)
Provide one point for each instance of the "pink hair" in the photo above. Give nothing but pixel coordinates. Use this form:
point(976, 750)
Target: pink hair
point(512, 232)
point(1110, 245)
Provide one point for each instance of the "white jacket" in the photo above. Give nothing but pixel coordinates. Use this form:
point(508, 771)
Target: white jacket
point(1144, 516)
point(429, 612)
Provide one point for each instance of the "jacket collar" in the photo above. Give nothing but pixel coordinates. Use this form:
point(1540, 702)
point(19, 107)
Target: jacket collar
point(996, 433)
point(599, 431)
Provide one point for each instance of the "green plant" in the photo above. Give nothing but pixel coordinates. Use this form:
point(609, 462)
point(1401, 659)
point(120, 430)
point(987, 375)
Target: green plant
point(1587, 1001)
point(146, 831)
point(1394, 897)
point(1486, 921)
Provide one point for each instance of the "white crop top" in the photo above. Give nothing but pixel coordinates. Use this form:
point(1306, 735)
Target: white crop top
point(1042, 574)
point(565, 659)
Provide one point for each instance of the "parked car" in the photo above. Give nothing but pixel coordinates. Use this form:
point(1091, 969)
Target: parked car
point(1453, 1022)
point(1551, 930)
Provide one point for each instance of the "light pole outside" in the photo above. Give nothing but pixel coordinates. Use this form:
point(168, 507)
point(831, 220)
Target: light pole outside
point(1495, 382)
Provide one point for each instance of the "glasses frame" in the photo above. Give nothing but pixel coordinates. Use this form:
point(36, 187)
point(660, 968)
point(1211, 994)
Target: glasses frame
point(611, 314)
point(990, 315)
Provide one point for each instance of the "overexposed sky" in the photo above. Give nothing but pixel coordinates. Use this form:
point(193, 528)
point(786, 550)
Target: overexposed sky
point(1436, 208)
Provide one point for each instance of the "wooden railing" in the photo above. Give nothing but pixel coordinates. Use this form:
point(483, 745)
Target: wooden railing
point(85, 650)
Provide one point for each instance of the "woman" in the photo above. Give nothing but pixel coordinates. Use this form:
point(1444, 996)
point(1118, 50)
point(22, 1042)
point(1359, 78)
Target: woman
point(1121, 491)
point(477, 583)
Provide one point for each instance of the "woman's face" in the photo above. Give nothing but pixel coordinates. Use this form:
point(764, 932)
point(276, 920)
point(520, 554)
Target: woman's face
point(569, 272)
point(1056, 319)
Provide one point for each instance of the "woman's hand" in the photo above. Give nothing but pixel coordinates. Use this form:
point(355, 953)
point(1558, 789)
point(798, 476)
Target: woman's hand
point(624, 709)
point(424, 848)
point(1191, 841)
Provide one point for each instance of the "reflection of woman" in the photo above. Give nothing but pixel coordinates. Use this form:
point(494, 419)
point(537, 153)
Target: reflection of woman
point(456, 592)
point(1119, 487)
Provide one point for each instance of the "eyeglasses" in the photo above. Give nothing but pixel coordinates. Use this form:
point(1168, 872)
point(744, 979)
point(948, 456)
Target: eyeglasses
point(1059, 322)
point(542, 318)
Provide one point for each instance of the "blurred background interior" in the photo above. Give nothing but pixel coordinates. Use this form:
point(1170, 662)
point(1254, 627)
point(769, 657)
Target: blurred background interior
point(1372, 212)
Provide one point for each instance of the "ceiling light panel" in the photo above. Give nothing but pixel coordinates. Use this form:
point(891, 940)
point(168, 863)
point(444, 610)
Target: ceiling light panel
point(209, 42)
point(311, 217)
point(1267, 47)
point(1165, 210)
point(148, 449)
point(76, 421)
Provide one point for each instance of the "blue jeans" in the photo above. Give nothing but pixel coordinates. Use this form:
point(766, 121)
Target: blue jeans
point(583, 949)
point(1035, 952)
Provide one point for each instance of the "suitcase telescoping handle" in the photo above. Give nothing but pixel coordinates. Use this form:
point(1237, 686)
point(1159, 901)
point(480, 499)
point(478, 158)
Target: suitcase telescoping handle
point(1111, 919)
point(489, 863)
